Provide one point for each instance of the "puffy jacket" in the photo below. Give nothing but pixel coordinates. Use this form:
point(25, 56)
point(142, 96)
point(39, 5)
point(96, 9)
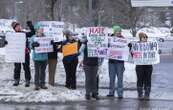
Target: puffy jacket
point(37, 56)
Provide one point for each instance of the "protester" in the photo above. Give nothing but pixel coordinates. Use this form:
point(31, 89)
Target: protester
point(40, 60)
point(90, 66)
point(26, 65)
point(116, 69)
point(70, 61)
point(52, 63)
point(144, 73)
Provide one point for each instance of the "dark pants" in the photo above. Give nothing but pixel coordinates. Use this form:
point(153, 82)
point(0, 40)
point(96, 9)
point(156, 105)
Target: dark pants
point(144, 73)
point(70, 69)
point(91, 79)
point(40, 74)
point(26, 67)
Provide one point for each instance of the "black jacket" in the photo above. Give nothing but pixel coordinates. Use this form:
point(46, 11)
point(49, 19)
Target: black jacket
point(89, 61)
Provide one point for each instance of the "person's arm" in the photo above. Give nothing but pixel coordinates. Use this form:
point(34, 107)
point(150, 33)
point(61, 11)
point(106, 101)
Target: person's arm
point(33, 44)
point(81, 49)
point(32, 30)
point(130, 48)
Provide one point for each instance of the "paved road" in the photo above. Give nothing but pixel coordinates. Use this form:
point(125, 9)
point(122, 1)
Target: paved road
point(162, 82)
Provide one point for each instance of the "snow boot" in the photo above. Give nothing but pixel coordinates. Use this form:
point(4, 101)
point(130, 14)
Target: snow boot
point(147, 93)
point(140, 93)
point(16, 83)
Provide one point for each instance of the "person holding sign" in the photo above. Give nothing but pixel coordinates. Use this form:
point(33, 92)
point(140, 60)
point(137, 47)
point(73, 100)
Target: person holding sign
point(90, 66)
point(69, 48)
point(40, 60)
point(143, 73)
point(116, 68)
point(26, 66)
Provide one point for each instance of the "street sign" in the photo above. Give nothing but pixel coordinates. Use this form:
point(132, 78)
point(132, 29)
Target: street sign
point(152, 3)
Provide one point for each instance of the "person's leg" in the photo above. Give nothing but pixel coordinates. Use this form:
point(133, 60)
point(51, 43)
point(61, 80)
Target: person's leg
point(140, 78)
point(97, 84)
point(73, 73)
point(120, 71)
point(26, 67)
point(43, 74)
point(52, 63)
point(67, 68)
point(17, 70)
point(36, 76)
point(88, 81)
point(147, 81)
point(112, 79)
point(94, 82)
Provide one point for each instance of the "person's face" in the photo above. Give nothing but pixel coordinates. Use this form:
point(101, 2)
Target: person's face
point(118, 34)
point(70, 37)
point(144, 39)
point(18, 28)
point(40, 32)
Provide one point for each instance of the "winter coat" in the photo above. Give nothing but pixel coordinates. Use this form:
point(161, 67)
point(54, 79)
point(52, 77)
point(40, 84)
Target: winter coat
point(37, 56)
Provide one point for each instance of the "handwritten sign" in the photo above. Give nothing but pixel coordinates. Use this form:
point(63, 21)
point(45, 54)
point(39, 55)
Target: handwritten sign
point(145, 53)
point(45, 44)
point(118, 49)
point(53, 29)
point(15, 50)
point(5, 26)
point(97, 42)
point(70, 49)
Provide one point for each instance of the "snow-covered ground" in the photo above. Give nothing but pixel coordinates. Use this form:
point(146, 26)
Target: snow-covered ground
point(59, 93)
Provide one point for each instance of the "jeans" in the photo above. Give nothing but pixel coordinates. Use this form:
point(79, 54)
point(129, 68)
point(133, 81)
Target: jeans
point(116, 69)
point(40, 72)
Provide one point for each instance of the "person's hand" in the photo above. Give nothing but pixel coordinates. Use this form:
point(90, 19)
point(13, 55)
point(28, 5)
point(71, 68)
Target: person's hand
point(29, 23)
point(35, 44)
point(5, 42)
point(52, 42)
point(81, 64)
point(130, 45)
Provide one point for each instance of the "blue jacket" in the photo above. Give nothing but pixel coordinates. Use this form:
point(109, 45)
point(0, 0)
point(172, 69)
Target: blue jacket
point(37, 56)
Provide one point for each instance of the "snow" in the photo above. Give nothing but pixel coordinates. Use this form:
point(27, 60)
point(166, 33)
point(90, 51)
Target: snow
point(59, 93)
point(8, 93)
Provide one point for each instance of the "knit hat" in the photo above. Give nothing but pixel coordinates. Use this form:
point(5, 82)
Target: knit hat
point(14, 24)
point(37, 26)
point(116, 28)
point(68, 33)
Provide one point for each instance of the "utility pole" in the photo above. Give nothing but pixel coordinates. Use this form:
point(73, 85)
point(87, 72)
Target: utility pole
point(90, 9)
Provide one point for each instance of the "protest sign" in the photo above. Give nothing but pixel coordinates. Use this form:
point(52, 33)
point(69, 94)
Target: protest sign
point(145, 53)
point(70, 49)
point(53, 29)
point(45, 44)
point(118, 49)
point(5, 26)
point(15, 50)
point(97, 42)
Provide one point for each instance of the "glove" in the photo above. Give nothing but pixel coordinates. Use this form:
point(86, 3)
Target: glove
point(29, 23)
point(52, 42)
point(35, 44)
point(130, 45)
point(58, 43)
point(5, 42)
